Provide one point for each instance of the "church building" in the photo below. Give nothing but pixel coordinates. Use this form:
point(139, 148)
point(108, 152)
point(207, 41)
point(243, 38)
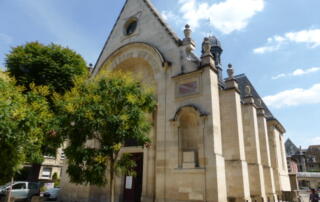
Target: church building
point(213, 138)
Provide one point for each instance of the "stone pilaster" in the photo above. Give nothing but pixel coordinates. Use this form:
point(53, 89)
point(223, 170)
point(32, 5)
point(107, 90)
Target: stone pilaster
point(215, 181)
point(278, 160)
point(273, 158)
point(252, 148)
point(237, 178)
point(265, 155)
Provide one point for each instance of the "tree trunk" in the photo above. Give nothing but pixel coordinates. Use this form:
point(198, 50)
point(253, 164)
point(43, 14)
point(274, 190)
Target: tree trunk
point(34, 172)
point(112, 162)
point(10, 189)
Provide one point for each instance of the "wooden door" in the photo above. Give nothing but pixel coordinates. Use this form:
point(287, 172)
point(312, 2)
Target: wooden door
point(133, 185)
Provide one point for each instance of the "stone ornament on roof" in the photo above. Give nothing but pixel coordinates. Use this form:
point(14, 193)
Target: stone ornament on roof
point(230, 72)
point(206, 47)
point(259, 103)
point(187, 32)
point(187, 41)
point(248, 91)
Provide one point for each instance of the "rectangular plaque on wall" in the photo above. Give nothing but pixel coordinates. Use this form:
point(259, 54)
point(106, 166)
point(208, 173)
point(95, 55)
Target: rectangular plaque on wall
point(188, 88)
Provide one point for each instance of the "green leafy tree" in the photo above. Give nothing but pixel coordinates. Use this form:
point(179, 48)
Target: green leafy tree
point(24, 118)
point(98, 116)
point(47, 65)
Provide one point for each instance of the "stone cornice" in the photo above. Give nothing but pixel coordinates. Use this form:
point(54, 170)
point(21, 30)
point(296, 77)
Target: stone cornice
point(231, 84)
point(276, 124)
point(187, 74)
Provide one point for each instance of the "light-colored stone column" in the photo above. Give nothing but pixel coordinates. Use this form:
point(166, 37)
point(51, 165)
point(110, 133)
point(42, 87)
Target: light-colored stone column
point(252, 148)
point(237, 178)
point(160, 142)
point(215, 181)
point(273, 158)
point(148, 191)
point(278, 160)
point(265, 154)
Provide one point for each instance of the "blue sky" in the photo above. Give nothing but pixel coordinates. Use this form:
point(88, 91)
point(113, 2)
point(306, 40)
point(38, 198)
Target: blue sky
point(276, 43)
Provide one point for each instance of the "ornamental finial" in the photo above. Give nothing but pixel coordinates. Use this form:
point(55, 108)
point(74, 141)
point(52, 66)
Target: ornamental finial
point(230, 71)
point(187, 32)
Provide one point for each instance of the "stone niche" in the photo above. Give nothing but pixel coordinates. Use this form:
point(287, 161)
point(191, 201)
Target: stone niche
point(189, 137)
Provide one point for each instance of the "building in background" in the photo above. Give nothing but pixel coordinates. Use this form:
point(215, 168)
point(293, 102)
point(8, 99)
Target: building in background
point(51, 166)
point(47, 172)
point(307, 162)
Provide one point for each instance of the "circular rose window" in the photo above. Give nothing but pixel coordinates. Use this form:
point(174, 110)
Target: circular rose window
point(131, 26)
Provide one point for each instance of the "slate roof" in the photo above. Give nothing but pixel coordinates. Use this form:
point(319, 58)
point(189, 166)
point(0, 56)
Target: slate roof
point(243, 81)
point(291, 148)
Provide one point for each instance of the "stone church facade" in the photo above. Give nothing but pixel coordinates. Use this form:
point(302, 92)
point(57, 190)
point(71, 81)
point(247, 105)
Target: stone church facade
point(213, 139)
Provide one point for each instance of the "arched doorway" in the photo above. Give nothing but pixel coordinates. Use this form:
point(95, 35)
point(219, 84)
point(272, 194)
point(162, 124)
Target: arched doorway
point(146, 65)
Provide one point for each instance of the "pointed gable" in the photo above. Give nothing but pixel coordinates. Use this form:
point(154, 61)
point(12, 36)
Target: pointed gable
point(151, 29)
point(291, 148)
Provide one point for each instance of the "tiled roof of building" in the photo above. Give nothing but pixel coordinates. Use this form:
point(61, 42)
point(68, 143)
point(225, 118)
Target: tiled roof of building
point(243, 81)
point(291, 148)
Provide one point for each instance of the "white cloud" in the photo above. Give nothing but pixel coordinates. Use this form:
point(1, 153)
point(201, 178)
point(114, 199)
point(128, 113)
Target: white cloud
point(297, 72)
point(227, 16)
point(172, 17)
point(315, 141)
point(279, 76)
point(6, 38)
point(294, 97)
point(167, 15)
point(310, 37)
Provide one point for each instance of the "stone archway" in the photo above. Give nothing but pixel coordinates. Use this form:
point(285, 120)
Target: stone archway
point(143, 60)
point(147, 65)
point(189, 123)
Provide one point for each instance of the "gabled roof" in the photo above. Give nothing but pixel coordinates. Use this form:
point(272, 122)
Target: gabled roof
point(173, 35)
point(291, 148)
point(149, 5)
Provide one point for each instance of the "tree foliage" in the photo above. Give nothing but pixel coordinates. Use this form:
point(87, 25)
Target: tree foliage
point(51, 65)
point(24, 119)
point(54, 66)
point(99, 116)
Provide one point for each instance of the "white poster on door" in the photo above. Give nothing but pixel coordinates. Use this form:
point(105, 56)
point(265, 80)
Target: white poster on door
point(128, 182)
